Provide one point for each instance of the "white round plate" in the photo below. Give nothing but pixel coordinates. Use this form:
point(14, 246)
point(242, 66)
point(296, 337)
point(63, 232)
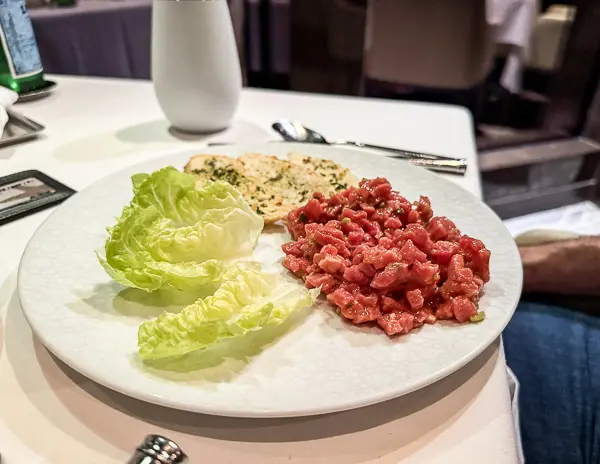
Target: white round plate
point(320, 365)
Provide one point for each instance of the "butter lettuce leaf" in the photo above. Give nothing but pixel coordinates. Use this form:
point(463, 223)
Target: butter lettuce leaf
point(248, 302)
point(137, 180)
point(174, 235)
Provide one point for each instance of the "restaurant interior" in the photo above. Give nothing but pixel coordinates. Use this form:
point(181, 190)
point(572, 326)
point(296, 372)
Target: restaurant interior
point(498, 99)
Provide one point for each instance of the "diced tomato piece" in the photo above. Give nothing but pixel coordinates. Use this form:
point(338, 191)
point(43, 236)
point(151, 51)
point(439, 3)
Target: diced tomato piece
point(323, 237)
point(333, 264)
point(424, 208)
point(463, 308)
point(355, 238)
point(410, 253)
point(415, 299)
point(354, 216)
point(371, 227)
point(359, 308)
point(382, 190)
point(425, 273)
point(396, 323)
point(349, 227)
point(292, 248)
point(367, 208)
point(412, 217)
point(386, 243)
point(367, 269)
point(442, 251)
point(297, 265)
point(333, 211)
point(444, 311)
point(389, 305)
point(393, 223)
point(442, 228)
point(354, 274)
point(325, 281)
point(424, 316)
point(419, 236)
point(380, 257)
point(391, 277)
point(477, 255)
point(313, 210)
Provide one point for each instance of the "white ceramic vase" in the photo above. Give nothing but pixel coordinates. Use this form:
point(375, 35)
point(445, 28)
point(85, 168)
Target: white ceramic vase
point(195, 64)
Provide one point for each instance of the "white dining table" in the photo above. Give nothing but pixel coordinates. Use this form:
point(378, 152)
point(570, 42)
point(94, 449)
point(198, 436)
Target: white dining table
point(51, 414)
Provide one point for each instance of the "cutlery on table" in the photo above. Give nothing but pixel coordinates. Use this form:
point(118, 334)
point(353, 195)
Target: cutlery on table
point(295, 132)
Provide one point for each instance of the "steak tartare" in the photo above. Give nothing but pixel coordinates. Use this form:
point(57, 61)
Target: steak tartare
point(379, 258)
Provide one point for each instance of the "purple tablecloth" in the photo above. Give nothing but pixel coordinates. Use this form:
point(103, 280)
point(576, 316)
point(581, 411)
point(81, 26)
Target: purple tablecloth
point(96, 38)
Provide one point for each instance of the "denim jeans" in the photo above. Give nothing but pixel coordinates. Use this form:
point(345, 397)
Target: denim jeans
point(555, 354)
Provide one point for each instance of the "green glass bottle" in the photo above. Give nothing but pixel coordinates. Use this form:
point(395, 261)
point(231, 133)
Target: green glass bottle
point(20, 63)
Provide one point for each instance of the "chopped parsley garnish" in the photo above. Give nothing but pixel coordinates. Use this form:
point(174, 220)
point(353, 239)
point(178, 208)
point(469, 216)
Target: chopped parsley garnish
point(400, 211)
point(346, 220)
point(276, 178)
point(480, 316)
point(229, 175)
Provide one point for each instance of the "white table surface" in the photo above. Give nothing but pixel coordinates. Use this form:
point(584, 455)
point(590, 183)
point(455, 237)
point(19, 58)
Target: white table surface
point(51, 414)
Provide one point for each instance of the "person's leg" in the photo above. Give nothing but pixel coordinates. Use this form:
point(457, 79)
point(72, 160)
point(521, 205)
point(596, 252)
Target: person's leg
point(555, 353)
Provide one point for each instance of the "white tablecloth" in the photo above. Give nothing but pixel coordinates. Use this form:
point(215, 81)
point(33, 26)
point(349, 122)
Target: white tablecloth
point(51, 414)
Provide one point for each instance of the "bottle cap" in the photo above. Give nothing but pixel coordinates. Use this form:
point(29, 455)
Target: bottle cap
point(161, 450)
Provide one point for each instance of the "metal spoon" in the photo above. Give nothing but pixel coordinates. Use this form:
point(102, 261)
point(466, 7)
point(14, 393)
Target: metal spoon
point(295, 132)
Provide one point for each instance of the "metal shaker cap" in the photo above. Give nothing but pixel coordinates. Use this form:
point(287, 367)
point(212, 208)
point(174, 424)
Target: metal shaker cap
point(162, 450)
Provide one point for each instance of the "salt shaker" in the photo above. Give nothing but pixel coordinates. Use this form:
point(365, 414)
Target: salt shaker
point(158, 450)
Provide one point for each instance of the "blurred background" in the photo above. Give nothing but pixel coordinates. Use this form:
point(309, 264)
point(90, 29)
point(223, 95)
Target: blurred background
point(528, 70)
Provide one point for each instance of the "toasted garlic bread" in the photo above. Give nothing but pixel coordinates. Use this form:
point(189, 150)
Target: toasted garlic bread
point(291, 184)
point(208, 168)
point(272, 187)
point(339, 177)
